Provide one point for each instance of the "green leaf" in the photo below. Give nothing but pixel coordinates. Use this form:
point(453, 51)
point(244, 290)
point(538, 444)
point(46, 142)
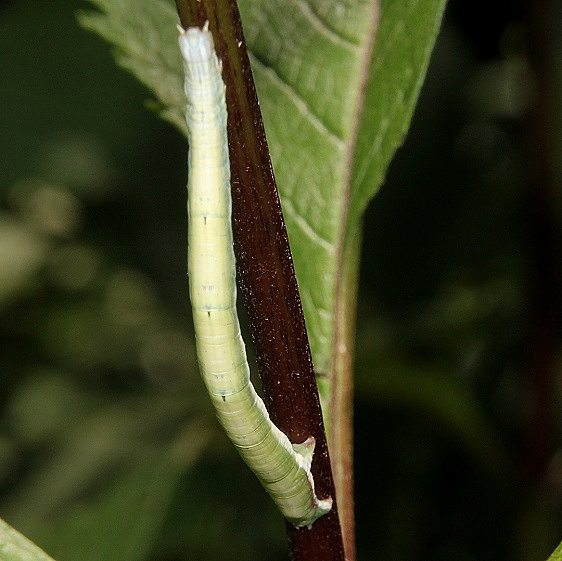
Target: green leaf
point(144, 35)
point(405, 39)
point(331, 137)
point(105, 488)
point(122, 523)
point(15, 547)
point(557, 554)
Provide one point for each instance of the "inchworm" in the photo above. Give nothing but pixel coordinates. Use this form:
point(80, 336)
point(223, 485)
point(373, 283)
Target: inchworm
point(283, 468)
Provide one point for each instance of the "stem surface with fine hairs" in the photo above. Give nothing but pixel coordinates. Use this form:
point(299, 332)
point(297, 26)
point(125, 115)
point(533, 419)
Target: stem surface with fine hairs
point(266, 273)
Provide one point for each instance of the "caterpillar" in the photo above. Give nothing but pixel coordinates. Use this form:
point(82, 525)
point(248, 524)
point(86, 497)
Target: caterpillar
point(283, 468)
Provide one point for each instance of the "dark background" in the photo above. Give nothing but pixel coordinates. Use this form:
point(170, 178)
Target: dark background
point(458, 365)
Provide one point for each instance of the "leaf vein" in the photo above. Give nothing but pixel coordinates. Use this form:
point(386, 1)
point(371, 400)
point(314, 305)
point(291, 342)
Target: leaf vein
point(300, 104)
point(305, 226)
point(322, 27)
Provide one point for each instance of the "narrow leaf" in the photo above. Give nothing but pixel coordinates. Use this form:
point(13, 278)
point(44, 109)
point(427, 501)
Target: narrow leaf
point(15, 547)
point(330, 140)
point(144, 35)
point(119, 467)
point(405, 39)
point(557, 554)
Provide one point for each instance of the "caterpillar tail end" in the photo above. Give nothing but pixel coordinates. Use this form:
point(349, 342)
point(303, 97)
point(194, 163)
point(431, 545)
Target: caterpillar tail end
point(305, 452)
point(322, 507)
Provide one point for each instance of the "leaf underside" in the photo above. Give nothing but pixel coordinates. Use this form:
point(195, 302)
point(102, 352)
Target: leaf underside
point(334, 112)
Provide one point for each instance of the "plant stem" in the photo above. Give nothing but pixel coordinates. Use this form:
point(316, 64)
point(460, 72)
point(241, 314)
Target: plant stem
point(341, 405)
point(266, 274)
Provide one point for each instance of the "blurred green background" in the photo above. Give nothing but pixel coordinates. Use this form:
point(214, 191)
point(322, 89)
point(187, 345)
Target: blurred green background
point(108, 449)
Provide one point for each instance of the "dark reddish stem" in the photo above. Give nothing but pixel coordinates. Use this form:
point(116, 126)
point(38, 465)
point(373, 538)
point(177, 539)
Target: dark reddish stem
point(266, 274)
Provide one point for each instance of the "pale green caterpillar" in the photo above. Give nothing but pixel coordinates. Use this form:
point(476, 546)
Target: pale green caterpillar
point(283, 468)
